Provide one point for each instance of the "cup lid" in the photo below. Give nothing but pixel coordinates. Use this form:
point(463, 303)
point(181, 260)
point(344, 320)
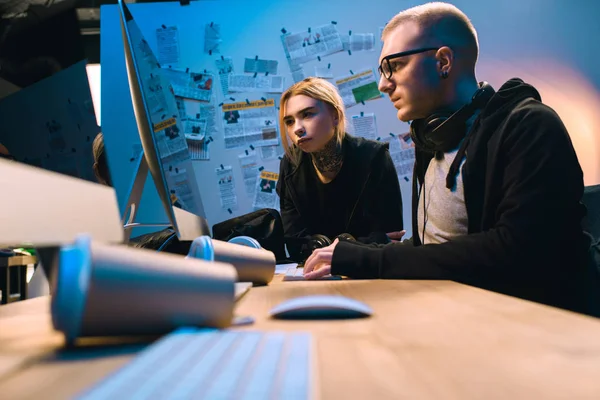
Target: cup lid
point(73, 277)
point(202, 248)
point(245, 241)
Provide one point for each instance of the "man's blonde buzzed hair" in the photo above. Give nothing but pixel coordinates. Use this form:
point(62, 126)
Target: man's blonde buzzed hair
point(442, 22)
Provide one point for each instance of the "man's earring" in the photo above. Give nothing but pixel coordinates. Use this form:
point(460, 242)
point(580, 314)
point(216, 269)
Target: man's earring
point(444, 74)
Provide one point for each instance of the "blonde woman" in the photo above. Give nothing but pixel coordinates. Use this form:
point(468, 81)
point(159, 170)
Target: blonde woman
point(331, 182)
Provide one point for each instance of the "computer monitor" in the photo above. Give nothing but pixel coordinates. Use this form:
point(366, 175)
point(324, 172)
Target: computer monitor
point(165, 150)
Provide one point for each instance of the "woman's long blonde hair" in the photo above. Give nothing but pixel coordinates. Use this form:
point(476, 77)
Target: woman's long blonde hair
point(318, 89)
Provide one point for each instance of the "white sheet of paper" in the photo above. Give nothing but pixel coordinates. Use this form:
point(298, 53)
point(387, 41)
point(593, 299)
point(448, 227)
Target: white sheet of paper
point(249, 166)
point(361, 42)
point(268, 152)
point(260, 66)
point(226, 187)
point(212, 38)
point(323, 72)
point(305, 46)
point(365, 126)
point(258, 83)
point(167, 39)
point(298, 75)
point(224, 68)
point(280, 269)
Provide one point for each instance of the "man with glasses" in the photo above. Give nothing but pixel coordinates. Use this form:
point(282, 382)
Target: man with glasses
point(497, 184)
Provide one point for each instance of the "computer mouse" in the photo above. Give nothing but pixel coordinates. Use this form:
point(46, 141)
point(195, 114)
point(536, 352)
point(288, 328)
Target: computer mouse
point(321, 307)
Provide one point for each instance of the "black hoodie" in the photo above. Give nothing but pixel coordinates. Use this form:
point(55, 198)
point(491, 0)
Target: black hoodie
point(372, 193)
point(522, 186)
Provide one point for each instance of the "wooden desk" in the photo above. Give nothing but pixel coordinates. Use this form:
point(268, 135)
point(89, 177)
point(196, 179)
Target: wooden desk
point(427, 339)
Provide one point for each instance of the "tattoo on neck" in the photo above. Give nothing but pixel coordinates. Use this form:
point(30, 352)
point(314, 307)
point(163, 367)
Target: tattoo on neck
point(330, 158)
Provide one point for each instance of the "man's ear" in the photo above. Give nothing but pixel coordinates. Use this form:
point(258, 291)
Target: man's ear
point(445, 58)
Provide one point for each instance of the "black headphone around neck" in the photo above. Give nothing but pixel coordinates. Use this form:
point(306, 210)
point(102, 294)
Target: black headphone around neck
point(444, 131)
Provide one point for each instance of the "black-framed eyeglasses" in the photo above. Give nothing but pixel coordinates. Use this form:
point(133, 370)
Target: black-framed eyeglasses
point(385, 68)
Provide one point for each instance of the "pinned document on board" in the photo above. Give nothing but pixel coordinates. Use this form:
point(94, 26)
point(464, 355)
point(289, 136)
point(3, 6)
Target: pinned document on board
point(212, 38)
point(365, 126)
point(269, 152)
point(260, 66)
point(266, 194)
point(249, 167)
point(402, 153)
point(226, 187)
point(190, 85)
point(199, 149)
point(224, 68)
point(359, 42)
point(250, 123)
point(181, 192)
point(359, 87)
point(258, 83)
point(167, 40)
point(194, 129)
point(308, 45)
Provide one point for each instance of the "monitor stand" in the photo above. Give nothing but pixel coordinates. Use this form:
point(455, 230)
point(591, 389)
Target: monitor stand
point(188, 226)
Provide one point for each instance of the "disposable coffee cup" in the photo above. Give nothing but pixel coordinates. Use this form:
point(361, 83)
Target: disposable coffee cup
point(109, 290)
point(245, 241)
point(252, 265)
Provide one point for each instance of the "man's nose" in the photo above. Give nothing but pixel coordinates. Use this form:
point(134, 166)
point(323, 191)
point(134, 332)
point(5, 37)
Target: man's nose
point(385, 85)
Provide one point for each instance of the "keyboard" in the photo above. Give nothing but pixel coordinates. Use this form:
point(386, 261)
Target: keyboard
point(195, 363)
point(297, 274)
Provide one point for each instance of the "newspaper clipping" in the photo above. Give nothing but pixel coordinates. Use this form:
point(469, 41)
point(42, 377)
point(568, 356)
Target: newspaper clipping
point(258, 83)
point(167, 40)
point(212, 38)
point(249, 166)
point(266, 194)
point(250, 123)
point(226, 187)
point(190, 85)
point(260, 66)
point(403, 154)
point(225, 68)
point(306, 46)
point(358, 88)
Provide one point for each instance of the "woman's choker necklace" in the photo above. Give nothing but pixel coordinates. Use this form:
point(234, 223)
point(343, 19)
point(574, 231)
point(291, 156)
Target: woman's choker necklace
point(330, 158)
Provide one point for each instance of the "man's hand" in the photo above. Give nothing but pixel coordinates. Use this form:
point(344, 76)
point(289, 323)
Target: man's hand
point(319, 262)
point(396, 236)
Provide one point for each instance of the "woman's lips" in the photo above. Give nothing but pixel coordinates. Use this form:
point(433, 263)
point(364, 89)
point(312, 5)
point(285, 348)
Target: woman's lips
point(303, 140)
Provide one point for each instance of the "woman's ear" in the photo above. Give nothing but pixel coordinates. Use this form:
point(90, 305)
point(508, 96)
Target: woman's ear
point(336, 119)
